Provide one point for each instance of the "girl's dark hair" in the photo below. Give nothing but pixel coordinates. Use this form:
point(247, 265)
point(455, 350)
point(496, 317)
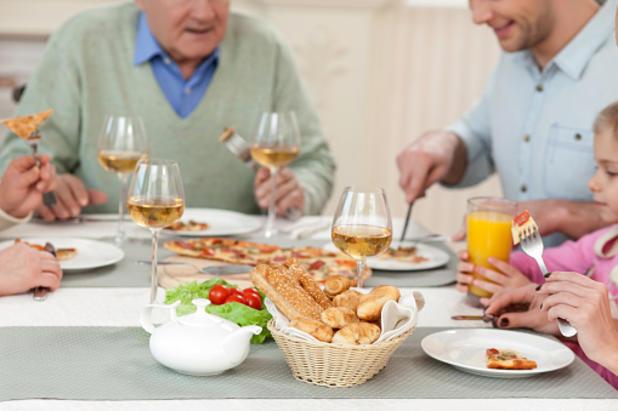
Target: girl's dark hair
point(607, 119)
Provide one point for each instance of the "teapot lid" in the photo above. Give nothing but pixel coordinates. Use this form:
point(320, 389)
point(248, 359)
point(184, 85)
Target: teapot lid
point(200, 318)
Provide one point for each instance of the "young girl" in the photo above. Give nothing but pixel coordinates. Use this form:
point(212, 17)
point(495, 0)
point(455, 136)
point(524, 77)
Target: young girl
point(594, 255)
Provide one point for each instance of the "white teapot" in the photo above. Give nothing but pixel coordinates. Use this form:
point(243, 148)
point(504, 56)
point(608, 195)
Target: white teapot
point(198, 344)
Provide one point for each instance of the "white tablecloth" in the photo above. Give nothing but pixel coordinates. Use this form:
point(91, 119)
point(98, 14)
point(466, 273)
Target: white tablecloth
point(120, 307)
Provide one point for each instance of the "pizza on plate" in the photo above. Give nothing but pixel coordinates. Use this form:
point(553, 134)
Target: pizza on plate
point(401, 253)
point(61, 254)
point(508, 360)
point(26, 127)
point(318, 262)
point(190, 226)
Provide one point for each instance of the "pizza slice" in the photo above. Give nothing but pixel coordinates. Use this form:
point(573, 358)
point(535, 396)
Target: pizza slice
point(26, 127)
point(508, 360)
point(190, 226)
point(403, 253)
point(61, 254)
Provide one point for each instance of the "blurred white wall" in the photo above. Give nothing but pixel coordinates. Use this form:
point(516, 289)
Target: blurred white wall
point(380, 71)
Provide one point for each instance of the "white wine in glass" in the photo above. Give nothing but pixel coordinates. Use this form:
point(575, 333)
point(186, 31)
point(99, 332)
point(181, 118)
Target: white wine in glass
point(122, 143)
point(277, 144)
point(156, 200)
point(362, 226)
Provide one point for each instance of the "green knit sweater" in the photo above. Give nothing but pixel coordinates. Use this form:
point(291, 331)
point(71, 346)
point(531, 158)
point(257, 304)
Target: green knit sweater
point(87, 72)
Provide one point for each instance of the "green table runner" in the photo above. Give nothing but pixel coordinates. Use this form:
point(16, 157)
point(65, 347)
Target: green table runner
point(109, 363)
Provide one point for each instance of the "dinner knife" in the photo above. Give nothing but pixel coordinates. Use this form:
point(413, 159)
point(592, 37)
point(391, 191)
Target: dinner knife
point(407, 221)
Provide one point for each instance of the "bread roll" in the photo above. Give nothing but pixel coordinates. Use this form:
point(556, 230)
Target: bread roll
point(370, 305)
point(336, 284)
point(338, 317)
point(348, 299)
point(315, 328)
point(357, 333)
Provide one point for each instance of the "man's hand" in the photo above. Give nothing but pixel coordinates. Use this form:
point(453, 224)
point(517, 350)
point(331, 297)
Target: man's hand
point(23, 184)
point(571, 218)
point(23, 268)
point(435, 156)
point(71, 197)
point(503, 276)
point(534, 318)
point(290, 195)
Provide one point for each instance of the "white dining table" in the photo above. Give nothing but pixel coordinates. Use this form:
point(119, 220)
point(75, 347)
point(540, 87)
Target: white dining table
point(118, 307)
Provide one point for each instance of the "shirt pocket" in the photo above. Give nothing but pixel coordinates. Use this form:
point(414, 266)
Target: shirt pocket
point(569, 163)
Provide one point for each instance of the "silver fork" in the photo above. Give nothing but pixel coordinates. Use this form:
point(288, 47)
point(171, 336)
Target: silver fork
point(532, 244)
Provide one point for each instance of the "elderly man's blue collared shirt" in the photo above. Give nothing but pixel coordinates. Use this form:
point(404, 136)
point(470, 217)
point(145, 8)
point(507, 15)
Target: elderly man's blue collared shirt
point(183, 95)
point(535, 127)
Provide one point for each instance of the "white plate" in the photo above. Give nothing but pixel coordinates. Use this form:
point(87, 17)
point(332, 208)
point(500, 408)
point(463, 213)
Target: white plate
point(464, 349)
point(90, 253)
point(435, 258)
point(220, 222)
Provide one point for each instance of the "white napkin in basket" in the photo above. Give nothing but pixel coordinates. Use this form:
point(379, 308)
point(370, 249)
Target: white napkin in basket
point(397, 318)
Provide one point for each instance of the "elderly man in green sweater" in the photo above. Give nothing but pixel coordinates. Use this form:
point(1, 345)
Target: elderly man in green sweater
point(189, 68)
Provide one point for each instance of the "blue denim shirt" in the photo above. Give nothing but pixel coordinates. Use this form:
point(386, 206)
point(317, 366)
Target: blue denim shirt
point(533, 127)
point(183, 95)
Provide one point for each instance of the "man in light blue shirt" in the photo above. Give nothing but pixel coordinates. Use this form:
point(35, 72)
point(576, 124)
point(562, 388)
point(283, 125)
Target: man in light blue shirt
point(533, 125)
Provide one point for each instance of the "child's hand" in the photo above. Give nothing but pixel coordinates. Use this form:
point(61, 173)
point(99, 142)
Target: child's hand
point(505, 275)
point(23, 184)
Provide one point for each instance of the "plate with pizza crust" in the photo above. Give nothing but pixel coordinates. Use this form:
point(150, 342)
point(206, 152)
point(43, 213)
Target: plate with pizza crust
point(466, 350)
point(76, 254)
point(211, 222)
point(405, 256)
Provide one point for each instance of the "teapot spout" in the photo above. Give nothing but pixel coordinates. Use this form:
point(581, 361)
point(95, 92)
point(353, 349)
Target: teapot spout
point(236, 345)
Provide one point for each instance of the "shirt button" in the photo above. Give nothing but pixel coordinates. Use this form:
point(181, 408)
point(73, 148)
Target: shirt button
point(166, 60)
point(539, 88)
point(523, 188)
point(578, 137)
point(526, 138)
point(187, 90)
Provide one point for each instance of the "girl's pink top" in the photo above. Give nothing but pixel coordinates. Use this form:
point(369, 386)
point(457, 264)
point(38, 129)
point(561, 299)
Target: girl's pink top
point(595, 254)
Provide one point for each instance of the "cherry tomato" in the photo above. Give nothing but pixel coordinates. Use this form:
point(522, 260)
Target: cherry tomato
point(235, 291)
point(251, 291)
point(236, 298)
point(253, 301)
point(218, 294)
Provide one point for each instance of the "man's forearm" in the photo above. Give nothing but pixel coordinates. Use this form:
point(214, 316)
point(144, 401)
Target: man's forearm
point(577, 218)
point(460, 162)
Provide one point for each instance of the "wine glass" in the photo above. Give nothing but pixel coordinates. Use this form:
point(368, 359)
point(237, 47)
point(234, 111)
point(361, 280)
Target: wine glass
point(277, 144)
point(156, 200)
point(122, 143)
point(362, 225)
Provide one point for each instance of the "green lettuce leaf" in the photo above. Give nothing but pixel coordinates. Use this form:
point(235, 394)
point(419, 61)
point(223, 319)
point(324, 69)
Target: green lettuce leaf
point(235, 312)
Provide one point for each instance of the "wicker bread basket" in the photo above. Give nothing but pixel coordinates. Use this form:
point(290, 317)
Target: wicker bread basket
point(334, 365)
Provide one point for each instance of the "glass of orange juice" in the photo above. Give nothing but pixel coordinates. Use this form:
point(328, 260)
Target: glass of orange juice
point(489, 235)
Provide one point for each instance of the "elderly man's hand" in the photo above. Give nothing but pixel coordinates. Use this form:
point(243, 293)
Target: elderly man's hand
point(290, 194)
point(534, 318)
point(427, 160)
point(584, 303)
point(23, 184)
point(23, 268)
point(71, 197)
